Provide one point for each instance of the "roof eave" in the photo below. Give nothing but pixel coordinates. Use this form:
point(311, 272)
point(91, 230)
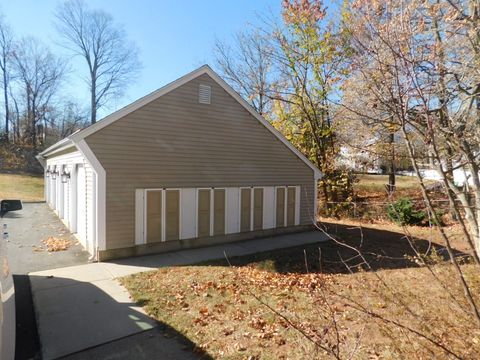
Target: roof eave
point(57, 147)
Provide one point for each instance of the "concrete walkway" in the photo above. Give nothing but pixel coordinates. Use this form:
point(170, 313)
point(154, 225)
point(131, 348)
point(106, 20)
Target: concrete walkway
point(81, 307)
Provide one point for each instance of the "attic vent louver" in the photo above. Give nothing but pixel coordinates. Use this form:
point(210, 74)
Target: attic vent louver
point(204, 94)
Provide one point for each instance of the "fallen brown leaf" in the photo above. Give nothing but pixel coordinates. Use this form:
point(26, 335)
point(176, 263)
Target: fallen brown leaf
point(54, 244)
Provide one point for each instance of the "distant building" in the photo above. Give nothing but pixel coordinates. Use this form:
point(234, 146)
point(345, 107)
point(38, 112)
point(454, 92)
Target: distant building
point(360, 159)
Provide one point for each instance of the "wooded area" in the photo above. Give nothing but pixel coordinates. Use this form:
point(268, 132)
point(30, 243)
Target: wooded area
point(36, 113)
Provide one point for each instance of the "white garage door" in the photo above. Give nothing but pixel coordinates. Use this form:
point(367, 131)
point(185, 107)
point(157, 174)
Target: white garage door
point(81, 205)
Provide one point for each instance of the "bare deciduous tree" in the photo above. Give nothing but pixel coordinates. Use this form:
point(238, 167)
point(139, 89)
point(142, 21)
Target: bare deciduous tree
point(39, 74)
point(112, 60)
point(247, 66)
point(6, 47)
point(70, 118)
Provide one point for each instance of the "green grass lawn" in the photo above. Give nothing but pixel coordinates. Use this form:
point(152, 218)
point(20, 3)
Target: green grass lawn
point(25, 187)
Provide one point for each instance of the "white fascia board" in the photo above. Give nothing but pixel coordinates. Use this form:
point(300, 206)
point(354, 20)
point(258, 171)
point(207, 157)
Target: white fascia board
point(41, 160)
point(58, 146)
point(52, 150)
point(205, 69)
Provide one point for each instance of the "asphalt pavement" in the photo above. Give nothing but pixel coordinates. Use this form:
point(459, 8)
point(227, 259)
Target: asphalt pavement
point(27, 229)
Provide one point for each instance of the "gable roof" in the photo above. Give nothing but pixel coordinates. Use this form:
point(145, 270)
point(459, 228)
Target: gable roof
point(205, 69)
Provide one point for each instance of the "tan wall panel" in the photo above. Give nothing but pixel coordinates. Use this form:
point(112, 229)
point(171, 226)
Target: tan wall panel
point(245, 205)
point(257, 209)
point(172, 215)
point(203, 213)
point(219, 212)
point(291, 206)
point(280, 207)
point(154, 216)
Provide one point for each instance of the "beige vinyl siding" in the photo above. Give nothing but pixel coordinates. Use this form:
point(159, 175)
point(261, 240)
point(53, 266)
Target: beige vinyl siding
point(175, 142)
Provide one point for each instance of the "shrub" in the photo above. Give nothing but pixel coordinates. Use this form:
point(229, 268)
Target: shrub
point(402, 212)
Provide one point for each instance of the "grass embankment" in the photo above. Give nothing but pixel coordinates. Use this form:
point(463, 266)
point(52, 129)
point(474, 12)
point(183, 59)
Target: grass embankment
point(373, 187)
point(25, 187)
point(297, 303)
point(376, 183)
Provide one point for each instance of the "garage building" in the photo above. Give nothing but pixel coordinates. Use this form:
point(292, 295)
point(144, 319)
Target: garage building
point(191, 164)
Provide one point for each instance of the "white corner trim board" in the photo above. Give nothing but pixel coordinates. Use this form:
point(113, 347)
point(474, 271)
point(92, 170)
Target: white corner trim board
point(100, 194)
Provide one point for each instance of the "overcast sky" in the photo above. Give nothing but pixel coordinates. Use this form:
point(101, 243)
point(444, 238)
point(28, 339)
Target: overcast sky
point(174, 37)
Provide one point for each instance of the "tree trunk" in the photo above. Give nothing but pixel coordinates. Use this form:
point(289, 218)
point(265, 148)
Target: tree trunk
point(391, 175)
point(477, 240)
point(33, 128)
point(93, 102)
point(5, 94)
point(16, 123)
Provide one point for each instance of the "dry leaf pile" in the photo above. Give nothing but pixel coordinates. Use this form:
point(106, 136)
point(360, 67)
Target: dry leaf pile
point(222, 315)
point(54, 244)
